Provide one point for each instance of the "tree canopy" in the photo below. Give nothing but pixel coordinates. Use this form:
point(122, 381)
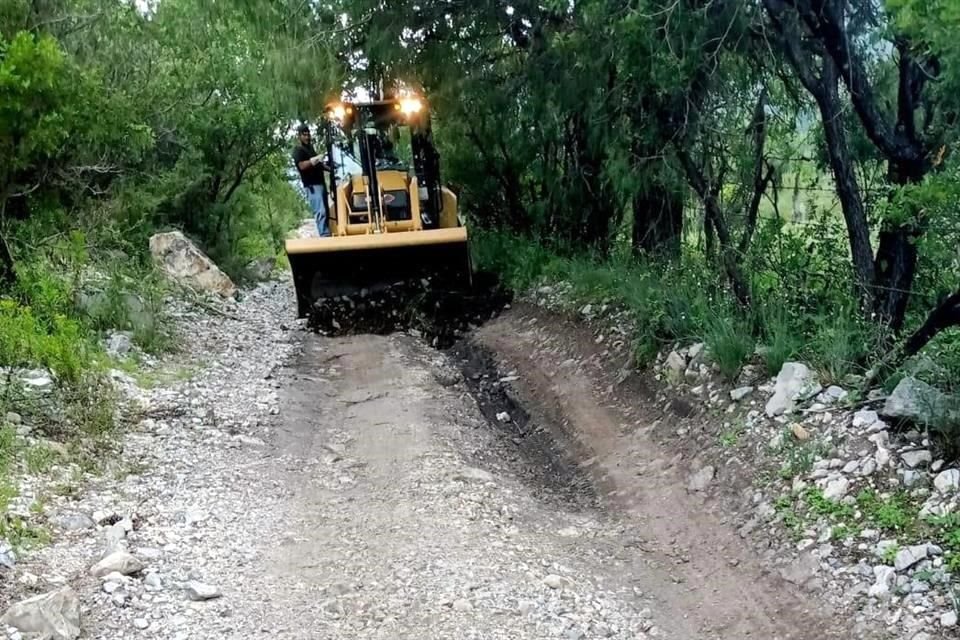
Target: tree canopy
point(797, 152)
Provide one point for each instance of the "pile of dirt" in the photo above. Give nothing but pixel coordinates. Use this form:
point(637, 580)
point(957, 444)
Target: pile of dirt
point(441, 311)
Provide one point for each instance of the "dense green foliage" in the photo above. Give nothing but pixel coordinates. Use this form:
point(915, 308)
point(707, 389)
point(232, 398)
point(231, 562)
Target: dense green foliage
point(116, 124)
point(773, 175)
point(783, 167)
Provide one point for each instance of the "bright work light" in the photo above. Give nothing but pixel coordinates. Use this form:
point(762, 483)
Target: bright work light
point(410, 106)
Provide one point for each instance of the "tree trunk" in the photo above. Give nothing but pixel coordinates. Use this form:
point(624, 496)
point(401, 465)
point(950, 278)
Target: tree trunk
point(848, 189)
point(657, 221)
point(715, 218)
point(597, 207)
point(896, 262)
point(8, 272)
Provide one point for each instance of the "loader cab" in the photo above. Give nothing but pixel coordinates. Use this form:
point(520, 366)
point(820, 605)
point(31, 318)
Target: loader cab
point(391, 219)
point(394, 183)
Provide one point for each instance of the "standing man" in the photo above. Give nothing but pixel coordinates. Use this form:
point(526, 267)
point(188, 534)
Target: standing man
point(311, 167)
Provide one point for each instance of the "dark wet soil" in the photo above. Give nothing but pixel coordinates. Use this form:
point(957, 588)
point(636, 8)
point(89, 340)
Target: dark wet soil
point(548, 461)
point(440, 311)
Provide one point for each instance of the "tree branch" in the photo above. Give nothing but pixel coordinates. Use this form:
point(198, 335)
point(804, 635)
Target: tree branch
point(714, 218)
point(824, 19)
point(944, 316)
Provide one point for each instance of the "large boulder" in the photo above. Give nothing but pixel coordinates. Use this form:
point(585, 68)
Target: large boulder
point(795, 383)
point(184, 262)
point(915, 401)
point(51, 616)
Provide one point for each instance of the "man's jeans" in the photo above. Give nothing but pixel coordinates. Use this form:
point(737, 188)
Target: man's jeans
point(317, 197)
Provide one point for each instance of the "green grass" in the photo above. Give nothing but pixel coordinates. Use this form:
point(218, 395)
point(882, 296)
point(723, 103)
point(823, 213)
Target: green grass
point(896, 513)
point(730, 437)
point(729, 344)
point(780, 340)
point(794, 314)
point(820, 506)
point(22, 535)
point(895, 516)
point(798, 457)
point(40, 459)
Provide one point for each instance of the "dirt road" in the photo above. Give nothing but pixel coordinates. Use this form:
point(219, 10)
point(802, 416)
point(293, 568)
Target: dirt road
point(414, 524)
point(363, 487)
point(423, 520)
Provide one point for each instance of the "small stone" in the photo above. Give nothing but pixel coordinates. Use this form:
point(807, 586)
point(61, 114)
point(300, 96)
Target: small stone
point(473, 474)
point(802, 570)
point(29, 579)
point(109, 586)
point(503, 416)
point(462, 605)
point(554, 581)
point(38, 380)
point(676, 366)
point(910, 556)
point(153, 581)
point(864, 418)
point(119, 345)
point(447, 378)
point(836, 489)
point(948, 619)
point(911, 477)
point(114, 537)
point(878, 426)
point(882, 457)
point(795, 383)
point(72, 521)
point(740, 393)
point(696, 351)
point(700, 480)
point(947, 481)
point(13, 418)
point(8, 558)
point(800, 433)
point(916, 458)
point(885, 577)
point(119, 561)
point(199, 591)
point(141, 623)
point(149, 553)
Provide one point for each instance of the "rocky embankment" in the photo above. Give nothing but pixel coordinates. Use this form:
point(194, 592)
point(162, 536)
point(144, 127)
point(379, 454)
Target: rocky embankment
point(139, 548)
point(845, 492)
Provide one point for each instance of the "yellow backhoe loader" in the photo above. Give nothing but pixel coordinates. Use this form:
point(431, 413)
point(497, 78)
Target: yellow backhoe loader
point(392, 220)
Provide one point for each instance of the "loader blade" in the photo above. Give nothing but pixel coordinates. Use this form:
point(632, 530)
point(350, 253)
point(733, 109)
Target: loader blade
point(350, 266)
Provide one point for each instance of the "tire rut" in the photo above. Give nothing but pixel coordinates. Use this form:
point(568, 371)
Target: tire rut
point(708, 584)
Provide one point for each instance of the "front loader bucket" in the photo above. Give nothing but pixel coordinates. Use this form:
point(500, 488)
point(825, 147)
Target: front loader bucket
point(348, 265)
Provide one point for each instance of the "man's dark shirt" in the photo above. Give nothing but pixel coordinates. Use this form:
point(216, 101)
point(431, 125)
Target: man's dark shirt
point(312, 175)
